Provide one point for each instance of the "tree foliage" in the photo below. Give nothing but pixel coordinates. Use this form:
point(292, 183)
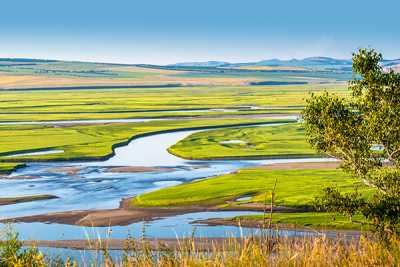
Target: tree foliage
point(363, 131)
point(12, 253)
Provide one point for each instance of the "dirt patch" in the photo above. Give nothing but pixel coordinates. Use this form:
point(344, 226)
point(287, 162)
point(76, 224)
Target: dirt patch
point(137, 169)
point(20, 177)
point(66, 170)
point(105, 217)
point(301, 165)
point(119, 244)
point(126, 215)
point(244, 223)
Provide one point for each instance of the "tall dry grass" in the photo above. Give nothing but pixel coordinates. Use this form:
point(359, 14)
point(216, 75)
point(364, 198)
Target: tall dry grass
point(266, 250)
point(246, 252)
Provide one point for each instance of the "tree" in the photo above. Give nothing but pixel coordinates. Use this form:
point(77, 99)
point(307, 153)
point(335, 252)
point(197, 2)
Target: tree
point(363, 131)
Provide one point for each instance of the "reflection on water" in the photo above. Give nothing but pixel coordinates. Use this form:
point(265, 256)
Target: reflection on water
point(148, 151)
point(179, 226)
point(44, 152)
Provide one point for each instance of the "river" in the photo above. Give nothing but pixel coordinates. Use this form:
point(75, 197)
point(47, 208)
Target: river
point(94, 186)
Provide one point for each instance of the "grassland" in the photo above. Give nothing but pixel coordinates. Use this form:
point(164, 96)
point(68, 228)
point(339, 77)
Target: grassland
point(38, 73)
point(42, 117)
point(88, 141)
point(200, 88)
point(151, 102)
point(144, 99)
point(7, 167)
point(200, 252)
point(313, 220)
point(295, 191)
point(295, 188)
point(257, 142)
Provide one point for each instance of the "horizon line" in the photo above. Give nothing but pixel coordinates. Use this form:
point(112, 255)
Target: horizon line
point(180, 62)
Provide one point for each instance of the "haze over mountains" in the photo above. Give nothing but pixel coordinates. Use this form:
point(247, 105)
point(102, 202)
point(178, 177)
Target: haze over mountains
point(306, 62)
point(310, 62)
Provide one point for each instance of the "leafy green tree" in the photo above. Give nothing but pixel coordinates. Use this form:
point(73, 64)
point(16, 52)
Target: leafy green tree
point(363, 131)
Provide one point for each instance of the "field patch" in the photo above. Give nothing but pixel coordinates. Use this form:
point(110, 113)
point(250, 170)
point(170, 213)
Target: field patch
point(83, 142)
point(295, 188)
point(265, 141)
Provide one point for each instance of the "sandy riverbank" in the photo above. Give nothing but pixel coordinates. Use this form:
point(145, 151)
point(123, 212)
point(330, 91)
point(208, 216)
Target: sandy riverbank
point(125, 214)
point(133, 169)
point(120, 244)
point(16, 200)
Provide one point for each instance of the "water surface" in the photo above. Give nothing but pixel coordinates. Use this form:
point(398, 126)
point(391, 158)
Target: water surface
point(93, 186)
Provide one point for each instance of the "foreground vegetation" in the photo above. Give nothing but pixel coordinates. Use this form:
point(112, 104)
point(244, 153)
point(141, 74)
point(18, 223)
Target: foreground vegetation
point(246, 251)
point(270, 141)
point(295, 188)
point(364, 132)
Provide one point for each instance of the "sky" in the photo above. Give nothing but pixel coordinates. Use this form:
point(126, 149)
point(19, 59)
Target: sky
point(170, 31)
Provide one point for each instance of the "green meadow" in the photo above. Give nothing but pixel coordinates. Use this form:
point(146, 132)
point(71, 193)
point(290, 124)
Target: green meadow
point(295, 188)
point(267, 141)
point(312, 220)
point(228, 92)
point(89, 141)
point(136, 102)
point(7, 167)
point(19, 74)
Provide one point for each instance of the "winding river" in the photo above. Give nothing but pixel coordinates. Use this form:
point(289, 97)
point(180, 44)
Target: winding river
point(93, 186)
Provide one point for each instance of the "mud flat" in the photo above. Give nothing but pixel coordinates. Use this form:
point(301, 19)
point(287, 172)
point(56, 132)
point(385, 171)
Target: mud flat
point(16, 200)
point(125, 215)
point(128, 169)
point(105, 217)
point(19, 177)
point(166, 244)
point(65, 170)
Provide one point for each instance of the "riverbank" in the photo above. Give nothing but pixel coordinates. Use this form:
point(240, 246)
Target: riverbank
point(245, 187)
point(126, 214)
point(97, 142)
point(184, 244)
point(244, 190)
point(277, 141)
point(9, 167)
point(16, 200)
point(308, 221)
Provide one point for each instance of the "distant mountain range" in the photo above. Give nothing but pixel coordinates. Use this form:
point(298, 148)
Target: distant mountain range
point(388, 63)
point(324, 62)
point(309, 62)
point(202, 64)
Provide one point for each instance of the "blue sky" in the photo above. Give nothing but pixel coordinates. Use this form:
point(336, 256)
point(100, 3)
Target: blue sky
point(168, 31)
